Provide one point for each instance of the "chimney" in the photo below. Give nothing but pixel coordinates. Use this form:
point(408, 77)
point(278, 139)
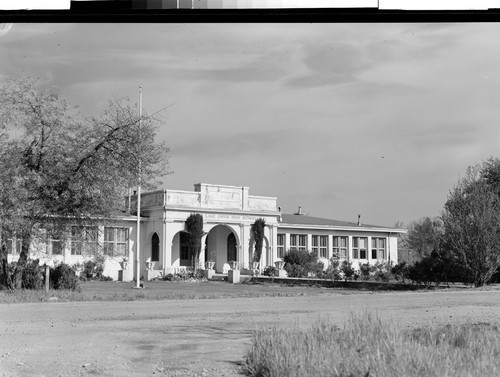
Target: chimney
point(359, 220)
point(299, 212)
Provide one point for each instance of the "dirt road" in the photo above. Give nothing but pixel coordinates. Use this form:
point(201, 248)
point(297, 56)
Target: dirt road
point(195, 337)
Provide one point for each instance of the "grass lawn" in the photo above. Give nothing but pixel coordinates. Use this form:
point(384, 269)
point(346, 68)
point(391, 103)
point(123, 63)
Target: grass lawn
point(158, 290)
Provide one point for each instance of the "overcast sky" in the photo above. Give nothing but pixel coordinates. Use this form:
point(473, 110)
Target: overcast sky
point(342, 119)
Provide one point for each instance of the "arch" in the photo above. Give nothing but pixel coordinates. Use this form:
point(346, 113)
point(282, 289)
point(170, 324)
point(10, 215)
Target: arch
point(155, 248)
point(180, 249)
point(222, 245)
point(231, 247)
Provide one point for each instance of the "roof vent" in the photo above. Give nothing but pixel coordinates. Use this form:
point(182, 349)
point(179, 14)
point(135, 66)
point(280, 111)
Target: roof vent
point(359, 220)
point(299, 211)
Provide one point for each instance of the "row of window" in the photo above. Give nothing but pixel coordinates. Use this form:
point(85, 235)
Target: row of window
point(84, 241)
point(339, 246)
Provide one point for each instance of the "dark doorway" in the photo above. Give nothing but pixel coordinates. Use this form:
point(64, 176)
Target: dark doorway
point(155, 248)
point(184, 249)
point(231, 247)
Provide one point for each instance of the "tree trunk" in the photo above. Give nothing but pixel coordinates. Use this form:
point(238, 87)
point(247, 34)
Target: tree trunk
point(6, 278)
point(17, 277)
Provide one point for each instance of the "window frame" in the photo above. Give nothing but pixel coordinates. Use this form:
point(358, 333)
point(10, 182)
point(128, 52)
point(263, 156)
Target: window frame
point(298, 242)
point(281, 246)
point(115, 243)
point(357, 250)
point(320, 245)
point(84, 241)
point(338, 249)
point(379, 246)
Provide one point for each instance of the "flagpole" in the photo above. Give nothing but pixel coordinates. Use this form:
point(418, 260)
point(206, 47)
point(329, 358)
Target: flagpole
point(138, 248)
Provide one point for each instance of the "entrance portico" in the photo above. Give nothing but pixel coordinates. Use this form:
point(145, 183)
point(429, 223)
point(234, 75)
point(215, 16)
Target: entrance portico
point(228, 214)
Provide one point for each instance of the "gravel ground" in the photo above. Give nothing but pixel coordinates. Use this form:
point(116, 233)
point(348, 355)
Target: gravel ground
point(198, 337)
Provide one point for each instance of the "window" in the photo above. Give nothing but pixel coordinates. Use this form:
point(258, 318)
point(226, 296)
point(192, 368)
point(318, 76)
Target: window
point(320, 246)
point(14, 246)
point(339, 247)
point(10, 243)
point(298, 241)
point(359, 247)
point(281, 245)
point(155, 248)
point(84, 240)
point(378, 248)
point(115, 241)
point(54, 244)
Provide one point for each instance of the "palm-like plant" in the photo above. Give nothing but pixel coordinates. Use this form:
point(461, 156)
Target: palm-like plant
point(258, 236)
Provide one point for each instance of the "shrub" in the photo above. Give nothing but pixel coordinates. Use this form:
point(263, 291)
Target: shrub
point(64, 277)
point(333, 271)
point(33, 276)
point(270, 271)
point(183, 275)
point(93, 269)
point(382, 271)
point(365, 271)
point(347, 270)
point(401, 272)
point(301, 263)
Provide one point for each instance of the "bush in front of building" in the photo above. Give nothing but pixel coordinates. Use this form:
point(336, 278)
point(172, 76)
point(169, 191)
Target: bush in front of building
point(93, 269)
point(382, 271)
point(302, 264)
point(365, 270)
point(347, 270)
point(33, 276)
point(333, 271)
point(64, 276)
point(270, 271)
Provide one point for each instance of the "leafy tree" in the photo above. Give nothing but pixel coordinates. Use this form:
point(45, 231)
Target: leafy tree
point(258, 236)
point(57, 164)
point(194, 226)
point(471, 220)
point(424, 235)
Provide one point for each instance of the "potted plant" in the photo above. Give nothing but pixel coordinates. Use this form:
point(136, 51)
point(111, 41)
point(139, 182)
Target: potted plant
point(124, 263)
point(233, 264)
point(279, 264)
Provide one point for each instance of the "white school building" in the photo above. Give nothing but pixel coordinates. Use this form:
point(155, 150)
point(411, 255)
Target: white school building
point(228, 214)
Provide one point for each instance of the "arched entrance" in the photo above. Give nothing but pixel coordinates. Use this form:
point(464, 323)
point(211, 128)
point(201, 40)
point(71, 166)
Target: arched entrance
point(231, 247)
point(221, 246)
point(155, 248)
point(180, 249)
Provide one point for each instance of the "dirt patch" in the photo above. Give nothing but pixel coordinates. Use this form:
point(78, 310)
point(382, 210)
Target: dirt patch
point(199, 337)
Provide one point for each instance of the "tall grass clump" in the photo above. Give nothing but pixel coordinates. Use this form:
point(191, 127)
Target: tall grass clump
point(368, 346)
